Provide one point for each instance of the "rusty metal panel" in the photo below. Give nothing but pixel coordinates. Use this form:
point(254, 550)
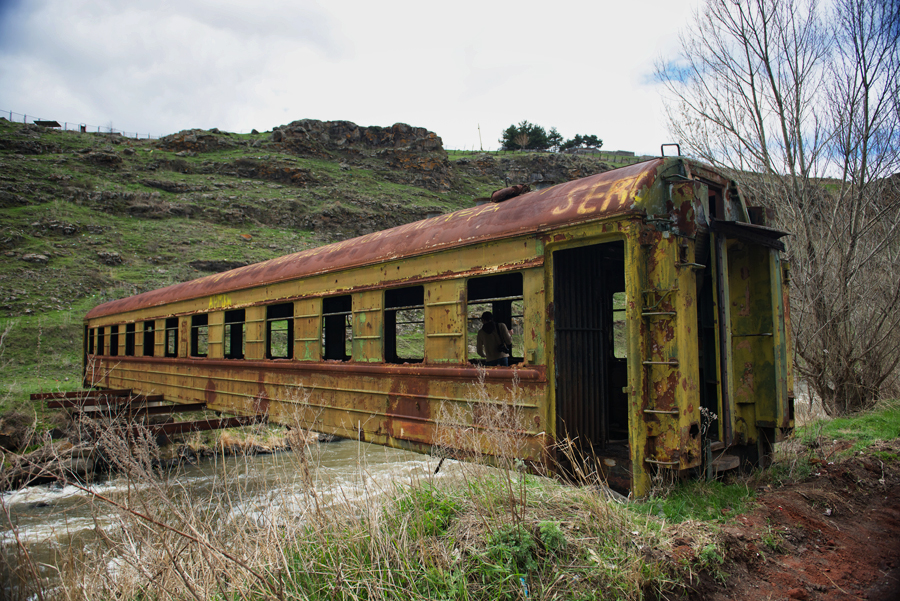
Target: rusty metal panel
point(255, 318)
point(686, 206)
point(687, 423)
point(445, 322)
point(781, 413)
point(308, 329)
point(748, 312)
point(534, 337)
point(788, 419)
point(636, 266)
point(159, 334)
point(724, 354)
point(184, 336)
point(139, 339)
point(368, 326)
point(760, 384)
point(661, 310)
point(396, 405)
point(660, 303)
point(216, 339)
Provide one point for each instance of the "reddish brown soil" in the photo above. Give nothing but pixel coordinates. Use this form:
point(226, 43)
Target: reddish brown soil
point(836, 537)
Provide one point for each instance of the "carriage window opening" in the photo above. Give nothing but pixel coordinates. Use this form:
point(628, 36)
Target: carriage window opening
point(101, 340)
point(501, 295)
point(113, 341)
point(91, 333)
point(337, 331)
point(129, 340)
point(404, 325)
point(171, 337)
point(620, 343)
point(149, 339)
point(199, 335)
point(235, 334)
point(280, 331)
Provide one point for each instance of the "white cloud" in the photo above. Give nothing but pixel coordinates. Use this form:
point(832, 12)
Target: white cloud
point(165, 66)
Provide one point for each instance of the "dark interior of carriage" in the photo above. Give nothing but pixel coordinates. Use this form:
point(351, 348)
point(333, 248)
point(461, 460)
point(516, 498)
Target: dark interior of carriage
point(591, 355)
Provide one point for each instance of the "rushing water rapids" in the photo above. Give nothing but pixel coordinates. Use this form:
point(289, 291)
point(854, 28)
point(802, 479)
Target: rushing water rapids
point(46, 520)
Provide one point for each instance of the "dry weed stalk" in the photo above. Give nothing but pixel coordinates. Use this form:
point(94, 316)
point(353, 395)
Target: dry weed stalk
point(484, 432)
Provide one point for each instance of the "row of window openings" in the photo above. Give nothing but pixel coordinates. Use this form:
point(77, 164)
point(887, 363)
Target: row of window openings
point(404, 325)
point(405, 343)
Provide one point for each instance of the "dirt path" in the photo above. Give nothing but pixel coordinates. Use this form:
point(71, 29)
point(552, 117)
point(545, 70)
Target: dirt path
point(833, 537)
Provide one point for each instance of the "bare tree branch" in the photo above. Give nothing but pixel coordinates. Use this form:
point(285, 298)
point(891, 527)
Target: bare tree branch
point(807, 118)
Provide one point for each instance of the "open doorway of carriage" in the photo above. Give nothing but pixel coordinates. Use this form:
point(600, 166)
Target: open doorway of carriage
point(591, 361)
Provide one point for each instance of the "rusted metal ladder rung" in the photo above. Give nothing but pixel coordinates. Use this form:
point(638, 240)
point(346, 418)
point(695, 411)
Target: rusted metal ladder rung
point(658, 462)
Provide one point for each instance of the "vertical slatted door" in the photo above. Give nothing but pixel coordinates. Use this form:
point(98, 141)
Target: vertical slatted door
point(581, 367)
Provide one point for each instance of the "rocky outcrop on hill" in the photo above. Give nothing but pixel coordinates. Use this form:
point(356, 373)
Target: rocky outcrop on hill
point(309, 136)
point(196, 140)
point(269, 170)
point(415, 154)
point(104, 159)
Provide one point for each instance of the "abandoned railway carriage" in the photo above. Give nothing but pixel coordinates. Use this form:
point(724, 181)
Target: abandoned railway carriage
point(648, 307)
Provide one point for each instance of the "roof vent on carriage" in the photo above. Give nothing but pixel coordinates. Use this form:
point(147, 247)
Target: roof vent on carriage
point(510, 192)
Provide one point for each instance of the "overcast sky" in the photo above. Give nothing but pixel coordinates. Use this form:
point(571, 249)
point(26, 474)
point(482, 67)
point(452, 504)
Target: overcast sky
point(160, 67)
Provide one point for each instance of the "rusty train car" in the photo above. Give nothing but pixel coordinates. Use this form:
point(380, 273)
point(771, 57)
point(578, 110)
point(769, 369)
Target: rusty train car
point(649, 307)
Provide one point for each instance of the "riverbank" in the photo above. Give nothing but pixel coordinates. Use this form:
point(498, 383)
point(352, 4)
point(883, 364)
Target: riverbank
point(821, 524)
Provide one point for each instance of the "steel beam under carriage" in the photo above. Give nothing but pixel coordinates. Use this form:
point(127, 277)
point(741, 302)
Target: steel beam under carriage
point(81, 394)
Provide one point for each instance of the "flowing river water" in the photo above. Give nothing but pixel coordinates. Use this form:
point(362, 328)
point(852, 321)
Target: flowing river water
point(44, 520)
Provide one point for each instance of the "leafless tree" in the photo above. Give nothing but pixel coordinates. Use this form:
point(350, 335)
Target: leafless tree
point(522, 140)
point(807, 117)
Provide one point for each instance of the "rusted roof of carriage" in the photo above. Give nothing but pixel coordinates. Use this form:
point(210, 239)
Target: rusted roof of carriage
point(597, 196)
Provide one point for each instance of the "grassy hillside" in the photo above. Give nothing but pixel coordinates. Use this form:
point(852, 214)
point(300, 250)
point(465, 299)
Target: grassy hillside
point(86, 218)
